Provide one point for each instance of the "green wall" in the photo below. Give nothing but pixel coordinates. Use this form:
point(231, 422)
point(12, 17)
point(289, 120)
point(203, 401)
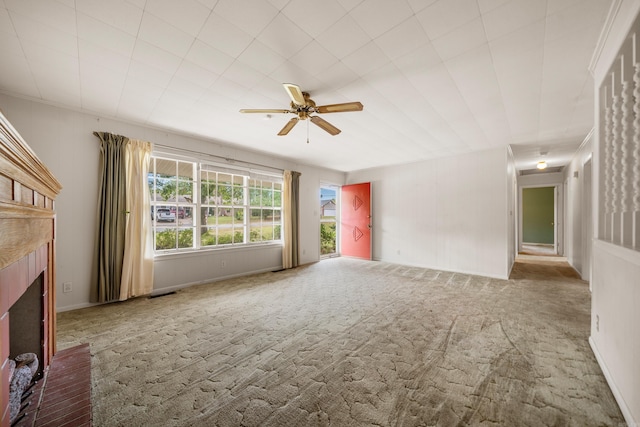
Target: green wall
point(537, 215)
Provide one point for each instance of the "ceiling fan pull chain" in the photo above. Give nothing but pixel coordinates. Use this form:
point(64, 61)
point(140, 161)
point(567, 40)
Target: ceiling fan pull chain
point(307, 131)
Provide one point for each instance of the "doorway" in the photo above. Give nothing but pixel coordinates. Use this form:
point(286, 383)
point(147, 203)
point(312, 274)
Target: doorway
point(329, 195)
point(355, 220)
point(587, 222)
point(539, 218)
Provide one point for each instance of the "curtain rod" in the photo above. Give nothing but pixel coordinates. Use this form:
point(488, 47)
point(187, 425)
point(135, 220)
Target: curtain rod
point(226, 159)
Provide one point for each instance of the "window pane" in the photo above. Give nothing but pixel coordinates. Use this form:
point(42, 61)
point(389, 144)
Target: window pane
point(185, 238)
point(165, 239)
point(224, 194)
point(225, 235)
point(238, 195)
point(224, 178)
point(208, 237)
point(185, 171)
point(185, 190)
point(255, 233)
point(327, 238)
point(238, 216)
point(151, 180)
point(254, 197)
point(208, 194)
point(165, 189)
point(166, 167)
point(267, 215)
point(267, 197)
point(277, 198)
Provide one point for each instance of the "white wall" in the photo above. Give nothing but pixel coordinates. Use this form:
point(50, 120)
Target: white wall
point(615, 304)
point(543, 179)
point(64, 141)
point(448, 213)
point(576, 232)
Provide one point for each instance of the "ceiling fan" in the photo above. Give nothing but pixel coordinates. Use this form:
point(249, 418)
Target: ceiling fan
point(303, 106)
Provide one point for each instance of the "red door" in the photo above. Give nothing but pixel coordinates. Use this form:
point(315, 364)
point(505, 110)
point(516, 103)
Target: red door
point(355, 221)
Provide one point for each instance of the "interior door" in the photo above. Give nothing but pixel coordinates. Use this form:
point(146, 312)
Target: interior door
point(539, 215)
point(355, 220)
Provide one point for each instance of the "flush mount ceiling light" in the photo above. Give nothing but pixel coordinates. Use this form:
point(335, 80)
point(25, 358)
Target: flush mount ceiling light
point(542, 165)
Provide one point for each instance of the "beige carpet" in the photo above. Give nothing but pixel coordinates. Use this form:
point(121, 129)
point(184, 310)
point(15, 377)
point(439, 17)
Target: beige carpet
point(345, 342)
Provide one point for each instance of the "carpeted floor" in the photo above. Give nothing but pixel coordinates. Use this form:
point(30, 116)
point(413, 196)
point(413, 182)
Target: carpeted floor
point(345, 342)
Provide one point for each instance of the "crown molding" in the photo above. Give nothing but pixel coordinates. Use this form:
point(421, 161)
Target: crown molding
point(604, 35)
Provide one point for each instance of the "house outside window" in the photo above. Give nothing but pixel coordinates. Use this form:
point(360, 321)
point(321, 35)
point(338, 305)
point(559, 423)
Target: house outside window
point(200, 205)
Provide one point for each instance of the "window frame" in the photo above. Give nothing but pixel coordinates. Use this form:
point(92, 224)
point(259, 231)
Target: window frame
point(239, 208)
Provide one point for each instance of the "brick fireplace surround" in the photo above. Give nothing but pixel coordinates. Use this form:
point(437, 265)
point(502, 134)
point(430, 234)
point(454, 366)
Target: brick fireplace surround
point(27, 246)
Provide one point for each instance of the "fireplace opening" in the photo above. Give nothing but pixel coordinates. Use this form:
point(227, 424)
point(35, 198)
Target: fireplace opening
point(26, 330)
point(26, 350)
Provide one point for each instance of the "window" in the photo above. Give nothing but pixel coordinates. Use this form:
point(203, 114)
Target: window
point(171, 185)
point(265, 203)
point(199, 205)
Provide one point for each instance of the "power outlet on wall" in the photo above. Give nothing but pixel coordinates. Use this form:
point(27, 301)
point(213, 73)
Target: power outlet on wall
point(223, 263)
point(67, 287)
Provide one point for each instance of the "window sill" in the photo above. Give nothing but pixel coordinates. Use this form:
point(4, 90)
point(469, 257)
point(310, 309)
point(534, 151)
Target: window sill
point(208, 251)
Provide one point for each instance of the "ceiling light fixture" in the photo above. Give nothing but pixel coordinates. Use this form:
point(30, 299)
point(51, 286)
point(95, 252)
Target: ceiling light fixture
point(542, 165)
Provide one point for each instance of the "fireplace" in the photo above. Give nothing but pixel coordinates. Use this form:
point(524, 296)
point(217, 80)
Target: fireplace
point(25, 320)
point(25, 323)
point(27, 257)
point(27, 329)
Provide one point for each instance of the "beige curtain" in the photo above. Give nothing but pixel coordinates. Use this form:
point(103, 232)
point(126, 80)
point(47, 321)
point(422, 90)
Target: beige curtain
point(291, 213)
point(111, 218)
point(137, 265)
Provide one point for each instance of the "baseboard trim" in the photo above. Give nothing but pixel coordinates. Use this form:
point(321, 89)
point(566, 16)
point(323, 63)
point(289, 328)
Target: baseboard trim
point(626, 413)
point(168, 289)
point(430, 267)
point(77, 306)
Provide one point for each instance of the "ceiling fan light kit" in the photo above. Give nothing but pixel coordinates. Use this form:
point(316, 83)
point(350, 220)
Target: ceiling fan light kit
point(303, 107)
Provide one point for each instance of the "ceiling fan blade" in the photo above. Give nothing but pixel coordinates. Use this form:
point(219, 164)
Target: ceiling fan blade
point(339, 108)
point(294, 93)
point(290, 124)
point(325, 125)
point(264, 110)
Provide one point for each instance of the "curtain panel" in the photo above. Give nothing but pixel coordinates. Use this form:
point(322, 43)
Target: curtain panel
point(137, 265)
point(291, 217)
point(123, 259)
point(111, 218)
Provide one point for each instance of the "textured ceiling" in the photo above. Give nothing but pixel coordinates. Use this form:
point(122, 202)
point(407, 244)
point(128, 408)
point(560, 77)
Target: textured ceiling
point(436, 77)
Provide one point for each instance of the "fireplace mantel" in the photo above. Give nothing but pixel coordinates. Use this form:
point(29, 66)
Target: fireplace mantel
point(27, 242)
